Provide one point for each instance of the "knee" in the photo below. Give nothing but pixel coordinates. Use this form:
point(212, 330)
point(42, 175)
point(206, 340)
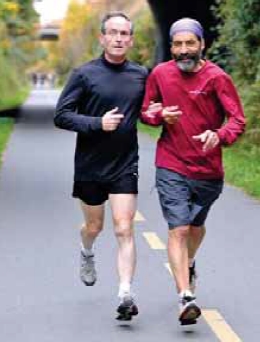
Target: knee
point(180, 233)
point(123, 229)
point(92, 228)
point(198, 231)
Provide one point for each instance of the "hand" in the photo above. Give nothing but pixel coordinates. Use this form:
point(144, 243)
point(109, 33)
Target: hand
point(209, 139)
point(111, 120)
point(171, 114)
point(154, 108)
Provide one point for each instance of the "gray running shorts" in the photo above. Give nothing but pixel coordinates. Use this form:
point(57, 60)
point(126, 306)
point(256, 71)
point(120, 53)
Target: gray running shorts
point(185, 201)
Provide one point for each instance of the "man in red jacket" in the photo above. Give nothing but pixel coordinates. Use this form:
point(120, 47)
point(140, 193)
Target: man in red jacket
point(199, 109)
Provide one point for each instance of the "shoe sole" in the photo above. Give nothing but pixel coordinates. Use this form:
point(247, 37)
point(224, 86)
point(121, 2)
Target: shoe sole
point(89, 284)
point(191, 313)
point(126, 312)
point(188, 322)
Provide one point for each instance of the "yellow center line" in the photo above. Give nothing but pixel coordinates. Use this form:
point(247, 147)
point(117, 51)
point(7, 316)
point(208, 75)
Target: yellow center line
point(154, 241)
point(216, 322)
point(138, 217)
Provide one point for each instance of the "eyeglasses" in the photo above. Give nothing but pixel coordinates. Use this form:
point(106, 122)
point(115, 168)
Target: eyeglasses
point(115, 33)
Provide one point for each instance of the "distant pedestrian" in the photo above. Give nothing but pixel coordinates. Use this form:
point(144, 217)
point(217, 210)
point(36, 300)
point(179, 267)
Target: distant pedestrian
point(200, 111)
point(34, 78)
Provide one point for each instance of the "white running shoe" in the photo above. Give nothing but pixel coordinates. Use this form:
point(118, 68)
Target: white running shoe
point(88, 273)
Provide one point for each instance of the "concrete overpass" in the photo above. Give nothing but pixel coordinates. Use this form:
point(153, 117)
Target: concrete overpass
point(49, 32)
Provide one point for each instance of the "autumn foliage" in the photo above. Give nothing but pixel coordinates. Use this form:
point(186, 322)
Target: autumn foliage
point(17, 48)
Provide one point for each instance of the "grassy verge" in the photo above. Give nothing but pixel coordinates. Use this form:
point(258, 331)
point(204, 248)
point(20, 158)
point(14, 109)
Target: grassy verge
point(153, 131)
point(6, 127)
point(242, 168)
point(14, 101)
point(242, 165)
point(10, 101)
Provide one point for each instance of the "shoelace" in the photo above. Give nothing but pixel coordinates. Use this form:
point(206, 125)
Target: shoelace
point(88, 260)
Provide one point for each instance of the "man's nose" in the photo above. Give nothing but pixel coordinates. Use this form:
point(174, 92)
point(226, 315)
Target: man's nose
point(184, 48)
point(118, 35)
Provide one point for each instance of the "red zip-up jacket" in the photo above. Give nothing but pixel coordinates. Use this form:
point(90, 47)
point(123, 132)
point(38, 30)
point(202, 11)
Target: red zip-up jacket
point(208, 101)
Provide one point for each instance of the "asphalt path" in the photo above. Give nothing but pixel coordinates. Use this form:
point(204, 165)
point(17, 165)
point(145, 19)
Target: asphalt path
point(41, 296)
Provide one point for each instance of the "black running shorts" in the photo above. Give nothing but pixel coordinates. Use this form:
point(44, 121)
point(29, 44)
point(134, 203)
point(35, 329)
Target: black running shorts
point(96, 193)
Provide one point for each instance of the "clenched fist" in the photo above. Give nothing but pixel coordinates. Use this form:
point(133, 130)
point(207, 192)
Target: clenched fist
point(111, 120)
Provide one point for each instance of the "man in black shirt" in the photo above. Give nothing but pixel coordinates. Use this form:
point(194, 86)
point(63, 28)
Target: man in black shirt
point(101, 102)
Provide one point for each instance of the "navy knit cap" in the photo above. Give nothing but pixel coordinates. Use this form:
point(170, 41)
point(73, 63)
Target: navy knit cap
point(186, 24)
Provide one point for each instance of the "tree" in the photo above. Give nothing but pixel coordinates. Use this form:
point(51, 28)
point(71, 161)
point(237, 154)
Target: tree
point(238, 46)
point(238, 51)
point(17, 47)
point(78, 38)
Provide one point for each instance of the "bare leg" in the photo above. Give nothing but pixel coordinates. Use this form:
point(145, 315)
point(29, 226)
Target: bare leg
point(123, 210)
point(179, 262)
point(182, 245)
point(196, 236)
point(94, 218)
point(178, 256)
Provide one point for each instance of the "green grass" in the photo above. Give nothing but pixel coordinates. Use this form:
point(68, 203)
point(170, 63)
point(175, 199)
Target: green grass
point(242, 164)
point(153, 131)
point(15, 99)
point(242, 168)
point(6, 127)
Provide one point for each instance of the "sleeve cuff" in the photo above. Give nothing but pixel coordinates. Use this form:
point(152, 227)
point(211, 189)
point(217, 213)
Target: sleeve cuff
point(96, 124)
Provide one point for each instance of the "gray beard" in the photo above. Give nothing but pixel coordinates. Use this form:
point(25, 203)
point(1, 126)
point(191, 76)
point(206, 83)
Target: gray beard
point(191, 64)
point(187, 66)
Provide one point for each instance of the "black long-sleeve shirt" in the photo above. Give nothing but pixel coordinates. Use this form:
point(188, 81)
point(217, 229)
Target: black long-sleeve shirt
point(93, 89)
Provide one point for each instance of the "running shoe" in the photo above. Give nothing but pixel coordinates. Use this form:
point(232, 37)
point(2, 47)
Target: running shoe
point(189, 310)
point(127, 308)
point(88, 273)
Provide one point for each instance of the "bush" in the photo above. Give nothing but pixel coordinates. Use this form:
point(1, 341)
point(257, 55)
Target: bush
point(12, 86)
point(144, 39)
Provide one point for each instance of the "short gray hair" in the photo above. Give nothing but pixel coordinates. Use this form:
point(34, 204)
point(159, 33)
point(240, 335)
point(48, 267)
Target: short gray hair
point(114, 15)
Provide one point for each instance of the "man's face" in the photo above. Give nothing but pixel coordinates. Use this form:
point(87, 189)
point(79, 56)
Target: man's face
point(187, 50)
point(117, 39)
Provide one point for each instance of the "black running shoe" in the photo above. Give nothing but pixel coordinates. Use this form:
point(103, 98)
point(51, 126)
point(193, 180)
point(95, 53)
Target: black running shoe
point(189, 310)
point(127, 308)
